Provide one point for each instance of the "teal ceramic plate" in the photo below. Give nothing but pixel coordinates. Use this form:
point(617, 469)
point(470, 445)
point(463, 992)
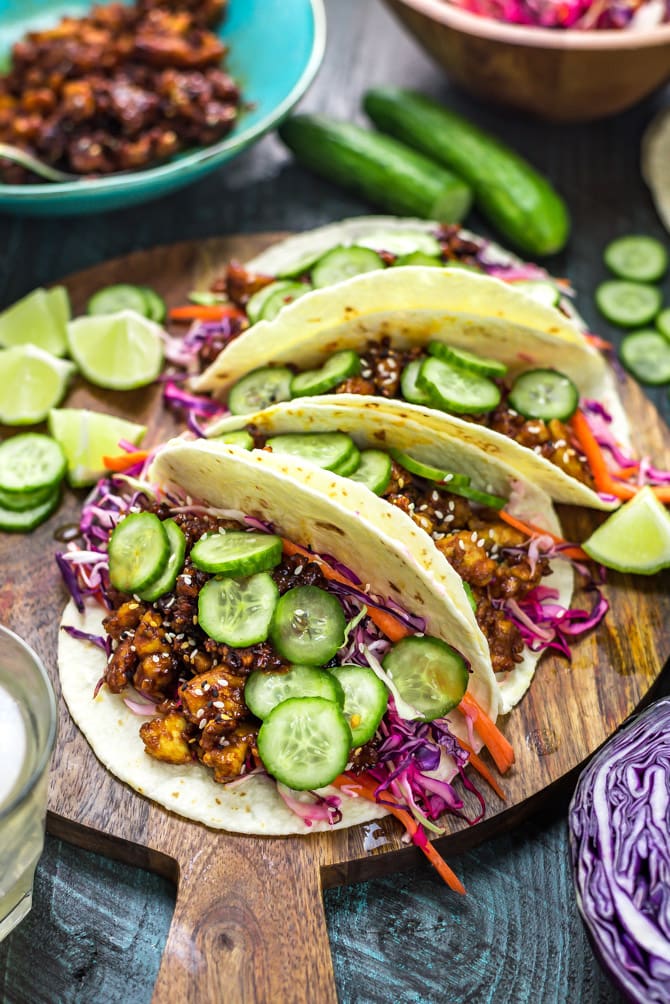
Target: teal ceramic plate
point(276, 47)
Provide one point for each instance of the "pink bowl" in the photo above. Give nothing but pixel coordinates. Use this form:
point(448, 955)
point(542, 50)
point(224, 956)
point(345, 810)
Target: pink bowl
point(562, 75)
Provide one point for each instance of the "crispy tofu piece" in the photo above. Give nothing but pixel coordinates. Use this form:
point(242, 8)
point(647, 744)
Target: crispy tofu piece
point(167, 739)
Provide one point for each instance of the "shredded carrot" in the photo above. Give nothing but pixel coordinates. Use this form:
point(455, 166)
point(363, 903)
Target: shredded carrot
point(202, 312)
point(394, 629)
point(599, 343)
point(365, 787)
point(495, 742)
point(125, 460)
point(482, 769)
point(626, 472)
point(536, 531)
point(601, 474)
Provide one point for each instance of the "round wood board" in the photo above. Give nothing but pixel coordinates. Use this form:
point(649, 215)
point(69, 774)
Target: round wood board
point(249, 922)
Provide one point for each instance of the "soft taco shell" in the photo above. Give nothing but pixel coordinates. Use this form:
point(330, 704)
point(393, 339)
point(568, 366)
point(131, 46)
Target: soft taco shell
point(382, 424)
point(303, 505)
point(412, 306)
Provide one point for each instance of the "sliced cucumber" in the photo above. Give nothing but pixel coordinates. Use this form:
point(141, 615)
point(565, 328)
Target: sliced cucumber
point(343, 263)
point(637, 257)
point(475, 495)
point(365, 700)
point(138, 552)
point(30, 462)
point(122, 296)
point(204, 298)
point(349, 465)
point(238, 437)
point(467, 589)
point(256, 302)
point(453, 389)
point(281, 298)
point(339, 367)
point(544, 394)
point(15, 521)
point(468, 361)
point(305, 742)
point(259, 389)
point(409, 388)
point(373, 471)
point(20, 501)
point(429, 674)
point(662, 322)
point(238, 612)
point(237, 552)
point(302, 265)
point(419, 258)
point(167, 578)
point(449, 479)
point(264, 691)
point(646, 354)
point(325, 449)
point(628, 304)
point(308, 626)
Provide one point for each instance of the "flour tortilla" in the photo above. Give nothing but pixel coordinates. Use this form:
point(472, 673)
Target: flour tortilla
point(304, 505)
point(412, 306)
point(383, 424)
point(396, 234)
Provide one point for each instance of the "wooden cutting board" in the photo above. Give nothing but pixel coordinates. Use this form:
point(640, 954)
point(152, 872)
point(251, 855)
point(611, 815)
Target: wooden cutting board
point(249, 921)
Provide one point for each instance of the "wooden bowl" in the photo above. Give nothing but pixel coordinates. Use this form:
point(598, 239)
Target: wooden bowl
point(565, 76)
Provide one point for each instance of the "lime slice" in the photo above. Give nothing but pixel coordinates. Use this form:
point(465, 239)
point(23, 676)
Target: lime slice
point(117, 351)
point(40, 318)
point(636, 538)
point(88, 436)
point(33, 382)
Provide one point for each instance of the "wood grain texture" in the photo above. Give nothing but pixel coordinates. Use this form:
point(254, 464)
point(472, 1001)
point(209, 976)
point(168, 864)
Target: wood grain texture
point(235, 927)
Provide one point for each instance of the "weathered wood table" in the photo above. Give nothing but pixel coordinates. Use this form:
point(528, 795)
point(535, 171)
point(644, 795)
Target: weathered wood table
point(98, 928)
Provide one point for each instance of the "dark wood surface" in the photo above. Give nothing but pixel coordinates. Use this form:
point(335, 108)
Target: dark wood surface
point(100, 928)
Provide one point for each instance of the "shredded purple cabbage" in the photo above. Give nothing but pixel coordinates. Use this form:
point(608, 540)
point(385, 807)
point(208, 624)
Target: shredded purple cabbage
point(584, 15)
point(620, 848)
point(317, 808)
point(95, 639)
point(546, 624)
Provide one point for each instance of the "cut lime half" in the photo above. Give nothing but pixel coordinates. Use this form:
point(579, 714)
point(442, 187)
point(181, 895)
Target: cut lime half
point(39, 318)
point(635, 538)
point(33, 381)
point(88, 436)
point(117, 351)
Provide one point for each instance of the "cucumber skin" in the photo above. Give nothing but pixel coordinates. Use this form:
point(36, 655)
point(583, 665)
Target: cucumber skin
point(516, 199)
point(384, 170)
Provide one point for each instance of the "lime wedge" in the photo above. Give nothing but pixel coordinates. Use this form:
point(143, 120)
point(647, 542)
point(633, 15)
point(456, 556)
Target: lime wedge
point(117, 351)
point(33, 381)
point(41, 318)
point(636, 538)
point(86, 437)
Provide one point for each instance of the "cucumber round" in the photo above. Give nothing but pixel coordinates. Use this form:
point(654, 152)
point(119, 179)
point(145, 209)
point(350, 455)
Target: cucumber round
point(468, 361)
point(155, 306)
point(349, 465)
point(281, 298)
point(646, 354)
point(237, 552)
point(238, 437)
point(24, 520)
point(421, 470)
point(429, 674)
point(259, 389)
point(305, 742)
point(343, 263)
point(339, 367)
point(20, 501)
point(138, 552)
point(408, 386)
point(325, 449)
point(30, 462)
point(637, 257)
point(544, 394)
point(419, 258)
point(373, 471)
point(264, 691)
point(365, 700)
point(167, 578)
point(122, 296)
point(453, 389)
point(238, 612)
point(256, 302)
point(308, 626)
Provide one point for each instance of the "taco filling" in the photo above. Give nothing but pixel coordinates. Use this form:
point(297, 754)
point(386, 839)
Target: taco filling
point(249, 655)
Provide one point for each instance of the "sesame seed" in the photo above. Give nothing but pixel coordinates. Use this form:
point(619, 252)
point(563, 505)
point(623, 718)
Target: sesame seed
point(202, 723)
point(473, 535)
point(205, 686)
point(451, 505)
point(187, 580)
point(197, 692)
point(439, 514)
point(422, 508)
point(299, 569)
point(218, 704)
point(200, 712)
point(461, 545)
point(481, 542)
point(449, 518)
point(434, 497)
point(155, 658)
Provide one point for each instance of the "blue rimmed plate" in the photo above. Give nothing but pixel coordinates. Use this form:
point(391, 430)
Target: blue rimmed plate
point(256, 31)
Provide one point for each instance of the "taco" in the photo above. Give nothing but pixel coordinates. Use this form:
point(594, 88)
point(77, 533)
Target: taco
point(495, 528)
point(296, 579)
point(463, 351)
point(293, 267)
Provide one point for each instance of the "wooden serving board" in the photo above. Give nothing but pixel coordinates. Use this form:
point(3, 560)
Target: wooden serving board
point(249, 921)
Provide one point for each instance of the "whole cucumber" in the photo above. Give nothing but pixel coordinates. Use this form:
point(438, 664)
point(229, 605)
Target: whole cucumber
point(509, 192)
point(385, 171)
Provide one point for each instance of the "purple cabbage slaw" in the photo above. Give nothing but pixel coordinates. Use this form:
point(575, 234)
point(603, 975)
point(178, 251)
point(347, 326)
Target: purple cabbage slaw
point(584, 15)
point(620, 847)
point(600, 422)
